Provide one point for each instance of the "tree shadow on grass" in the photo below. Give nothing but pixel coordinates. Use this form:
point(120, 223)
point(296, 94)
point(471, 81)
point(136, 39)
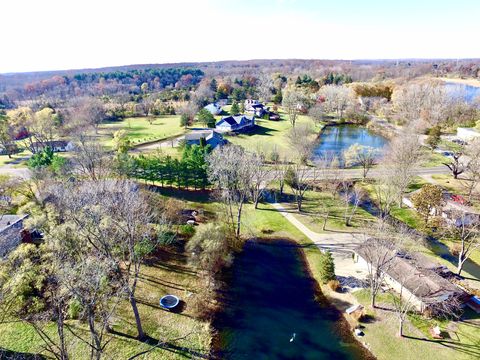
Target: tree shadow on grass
point(468, 349)
point(168, 345)
point(6, 354)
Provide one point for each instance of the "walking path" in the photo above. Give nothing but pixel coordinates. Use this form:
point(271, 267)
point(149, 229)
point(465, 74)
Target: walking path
point(340, 244)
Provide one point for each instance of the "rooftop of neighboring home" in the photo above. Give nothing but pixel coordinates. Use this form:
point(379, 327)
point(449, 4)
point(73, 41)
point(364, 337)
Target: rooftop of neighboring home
point(214, 108)
point(236, 119)
point(451, 202)
point(8, 220)
point(419, 275)
point(211, 137)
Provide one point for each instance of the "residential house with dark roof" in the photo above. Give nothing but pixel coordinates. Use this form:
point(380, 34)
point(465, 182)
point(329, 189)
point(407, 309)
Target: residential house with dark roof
point(256, 108)
point(235, 123)
point(420, 280)
point(211, 137)
point(11, 232)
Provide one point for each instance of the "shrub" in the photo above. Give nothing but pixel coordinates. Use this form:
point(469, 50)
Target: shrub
point(74, 309)
point(186, 230)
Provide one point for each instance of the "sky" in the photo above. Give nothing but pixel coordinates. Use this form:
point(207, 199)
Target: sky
point(73, 34)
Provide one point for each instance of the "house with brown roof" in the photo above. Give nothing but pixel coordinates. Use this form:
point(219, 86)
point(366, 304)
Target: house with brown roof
point(417, 278)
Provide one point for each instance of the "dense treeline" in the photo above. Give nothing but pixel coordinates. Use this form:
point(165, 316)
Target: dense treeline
point(108, 83)
point(16, 86)
point(188, 172)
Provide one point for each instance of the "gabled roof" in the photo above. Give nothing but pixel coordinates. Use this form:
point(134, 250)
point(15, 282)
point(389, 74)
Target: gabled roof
point(199, 134)
point(8, 220)
point(214, 108)
point(419, 275)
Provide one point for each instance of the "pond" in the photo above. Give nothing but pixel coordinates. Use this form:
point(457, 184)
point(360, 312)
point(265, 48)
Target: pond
point(467, 92)
point(338, 138)
point(271, 313)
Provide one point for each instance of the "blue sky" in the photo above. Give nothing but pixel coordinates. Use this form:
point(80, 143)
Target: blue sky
point(61, 34)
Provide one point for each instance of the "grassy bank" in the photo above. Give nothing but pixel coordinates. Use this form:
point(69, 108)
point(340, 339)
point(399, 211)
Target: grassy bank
point(182, 333)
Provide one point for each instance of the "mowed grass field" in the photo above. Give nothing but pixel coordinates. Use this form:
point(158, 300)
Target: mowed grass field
point(140, 130)
point(184, 334)
point(271, 135)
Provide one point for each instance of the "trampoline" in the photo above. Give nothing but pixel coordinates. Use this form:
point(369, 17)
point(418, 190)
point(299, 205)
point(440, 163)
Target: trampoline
point(169, 302)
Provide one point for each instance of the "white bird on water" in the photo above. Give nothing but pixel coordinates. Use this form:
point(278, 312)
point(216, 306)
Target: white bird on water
point(293, 337)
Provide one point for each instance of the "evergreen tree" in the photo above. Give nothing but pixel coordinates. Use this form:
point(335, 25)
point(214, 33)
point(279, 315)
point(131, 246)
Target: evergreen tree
point(184, 120)
point(327, 267)
point(206, 117)
point(235, 109)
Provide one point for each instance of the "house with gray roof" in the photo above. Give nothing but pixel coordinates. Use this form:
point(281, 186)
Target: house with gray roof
point(235, 123)
point(420, 280)
point(212, 138)
point(11, 229)
point(214, 108)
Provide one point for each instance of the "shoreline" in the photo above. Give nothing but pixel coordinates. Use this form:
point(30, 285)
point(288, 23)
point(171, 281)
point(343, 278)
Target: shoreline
point(469, 82)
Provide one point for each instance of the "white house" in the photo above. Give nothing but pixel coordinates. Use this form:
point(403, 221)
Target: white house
point(56, 146)
point(214, 108)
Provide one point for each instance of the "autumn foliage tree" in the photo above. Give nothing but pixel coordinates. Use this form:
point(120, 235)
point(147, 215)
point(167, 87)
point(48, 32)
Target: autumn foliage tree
point(427, 201)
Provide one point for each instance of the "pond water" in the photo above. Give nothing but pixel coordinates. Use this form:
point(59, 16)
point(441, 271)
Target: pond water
point(336, 139)
point(467, 92)
point(271, 312)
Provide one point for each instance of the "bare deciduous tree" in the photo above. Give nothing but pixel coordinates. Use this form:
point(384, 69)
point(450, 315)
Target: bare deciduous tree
point(352, 196)
point(465, 229)
point(230, 170)
point(301, 142)
point(379, 253)
point(300, 178)
point(88, 112)
point(264, 87)
point(472, 170)
point(426, 102)
point(113, 221)
point(292, 102)
point(456, 164)
point(90, 158)
point(336, 98)
point(403, 156)
point(260, 175)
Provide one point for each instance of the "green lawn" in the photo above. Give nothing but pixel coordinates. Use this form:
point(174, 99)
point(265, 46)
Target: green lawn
point(269, 135)
point(139, 129)
point(17, 159)
point(433, 159)
point(167, 273)
point(381, 335)
point(313, 206)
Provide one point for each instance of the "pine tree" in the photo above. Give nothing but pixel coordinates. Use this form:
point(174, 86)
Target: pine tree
point(327, 267)
point(235, 109)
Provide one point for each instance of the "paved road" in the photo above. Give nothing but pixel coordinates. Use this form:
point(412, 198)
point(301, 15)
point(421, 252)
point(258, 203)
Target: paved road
point(374, 173)
point(20, 172)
